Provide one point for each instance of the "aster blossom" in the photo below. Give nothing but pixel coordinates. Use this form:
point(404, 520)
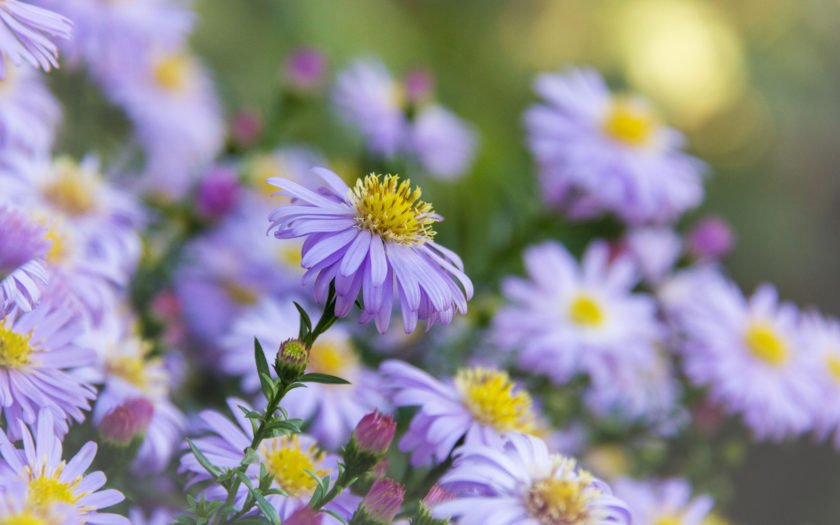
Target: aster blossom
point(523, 483)
point(29, 117)
point(479, 404)
point(821, 339)
point(52, 482)
point(666, 502)
point(376, 239)
point(749, 353)
point(26, 35)
point(23, 248)
point(600, 152)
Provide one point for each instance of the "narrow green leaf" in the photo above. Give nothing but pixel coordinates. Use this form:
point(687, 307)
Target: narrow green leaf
point(265, 507)
point(327, 379)
point(262, 370)
point(211, 469)
point(305, 323)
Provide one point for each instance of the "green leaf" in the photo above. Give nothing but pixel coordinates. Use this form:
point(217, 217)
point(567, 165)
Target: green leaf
point(305, 322)
point(262, 370)
point(265, 507)
point(211, 469)
point(335, 515)
point(326, 379)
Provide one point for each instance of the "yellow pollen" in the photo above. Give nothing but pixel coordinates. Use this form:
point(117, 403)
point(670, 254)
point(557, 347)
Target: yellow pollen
point(562, 500)
point(45, 491)
point(332, 357)
point(58, 247)
point(489, 395)
point(288, 463)
point(24, 518)
point(832, 362)
point(132, 368)
point(629, 124)
point(290, 255)
point(15, 348)
point(766, 344)
point(72, 190)
point(172, 72)
point(239, 293)
point(585, 311)
point(392, 210)
point(669, 520)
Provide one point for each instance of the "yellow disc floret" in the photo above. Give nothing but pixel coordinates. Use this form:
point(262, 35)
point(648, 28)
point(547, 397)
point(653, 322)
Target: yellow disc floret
point(766, 344)
point(173, 72)
point(47, 490)
point(71, 189)
point(585, 311)
point(630, 124)
point(288, 463)
point(15, 349)
point(669, 520)
point(564, 497)
point(392, 210)
point(333, 357)
point(24, 518)
point(832, 363)
point(490, 397)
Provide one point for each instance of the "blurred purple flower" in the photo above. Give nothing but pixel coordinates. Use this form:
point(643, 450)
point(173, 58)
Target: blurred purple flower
point(26, 35)
point(442, 142)
point(667, 501)
point(710, 239)
point(306, 69)
point(218, 191)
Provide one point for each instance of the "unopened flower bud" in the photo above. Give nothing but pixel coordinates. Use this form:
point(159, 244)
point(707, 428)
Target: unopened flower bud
point(245, 128)
point(711, 239)
point(380, 505)
point(419, 85)
point(306, 69)
point(423, 514)
point(291, 360)
point(217, 193)
point(375, 432)
point(125, 422)
point(436, 495)
point(304, 515)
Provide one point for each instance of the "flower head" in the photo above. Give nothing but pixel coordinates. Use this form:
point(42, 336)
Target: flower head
point(599, 152)
point(375, 240)
point(664, 502)
point(23, 249)
point(27, 35)
point(481, 405)
point(29, 116)
point(522, 483)
point(382, 501)
point(374, 432)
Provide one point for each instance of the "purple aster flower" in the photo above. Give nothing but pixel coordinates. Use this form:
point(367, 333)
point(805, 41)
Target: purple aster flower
point(710, 239)
point(231, 268)
point(42, 364)
point(369, 99)
point(286, 458)
point(131, 376)
point(570, 318)
point(655, 250)
point(523, 483)
point(55, 483)
point(600, 152)
point(29, 115)
point(821, 338)
point(333, 410)
point(306, 69)
point(376, 239)
point(14, 508)
point(442, 142)
point(26, 35)
point(750, 355)
point(663, 502)
point(23, 247)
point(482, 405)
point(108, 35)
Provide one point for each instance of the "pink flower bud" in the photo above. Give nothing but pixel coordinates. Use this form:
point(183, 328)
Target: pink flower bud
point(217, 192)
point(128, 420)
point(384, 500)
point(306, 69)
point(375, 432)
point(304, 515)
point(245, 128)
point(419, 85)
point(711, 239)
point(436, 495)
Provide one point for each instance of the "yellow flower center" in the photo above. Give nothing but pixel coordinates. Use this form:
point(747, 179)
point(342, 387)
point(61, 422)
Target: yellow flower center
point(629, 123)
point(765, 344)
point(58, 251)
point(392, 210)
point(72, 190)
point(332, 357)
point(585, 311)
point(288, 463)
point(173, 72)
point(563, 500)
point(263, 167)
point(44, 491)
point(239, 293)
point(290, 254)
point(832, 363)
point(24, 518)
point(132, 368)
point(668, 520)
point(489, 395)
point(15, 348)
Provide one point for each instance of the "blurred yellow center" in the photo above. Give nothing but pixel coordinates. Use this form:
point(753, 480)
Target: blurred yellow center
point(45, 491)
point(832, 363)
point(560, 501)
point(263, 167)
point(668, 520)
point(15, 348)
point(629, 124)
point(290, 255)
point(58, 247)
point(71, 191)
point(172, 72)
point(766, 344)
point(239, 293)
point(131, 368)
point(585, 311)
point(392, 210)
point(288, 463)
point(489, 395)
point(25, 518)
point(332, 357)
